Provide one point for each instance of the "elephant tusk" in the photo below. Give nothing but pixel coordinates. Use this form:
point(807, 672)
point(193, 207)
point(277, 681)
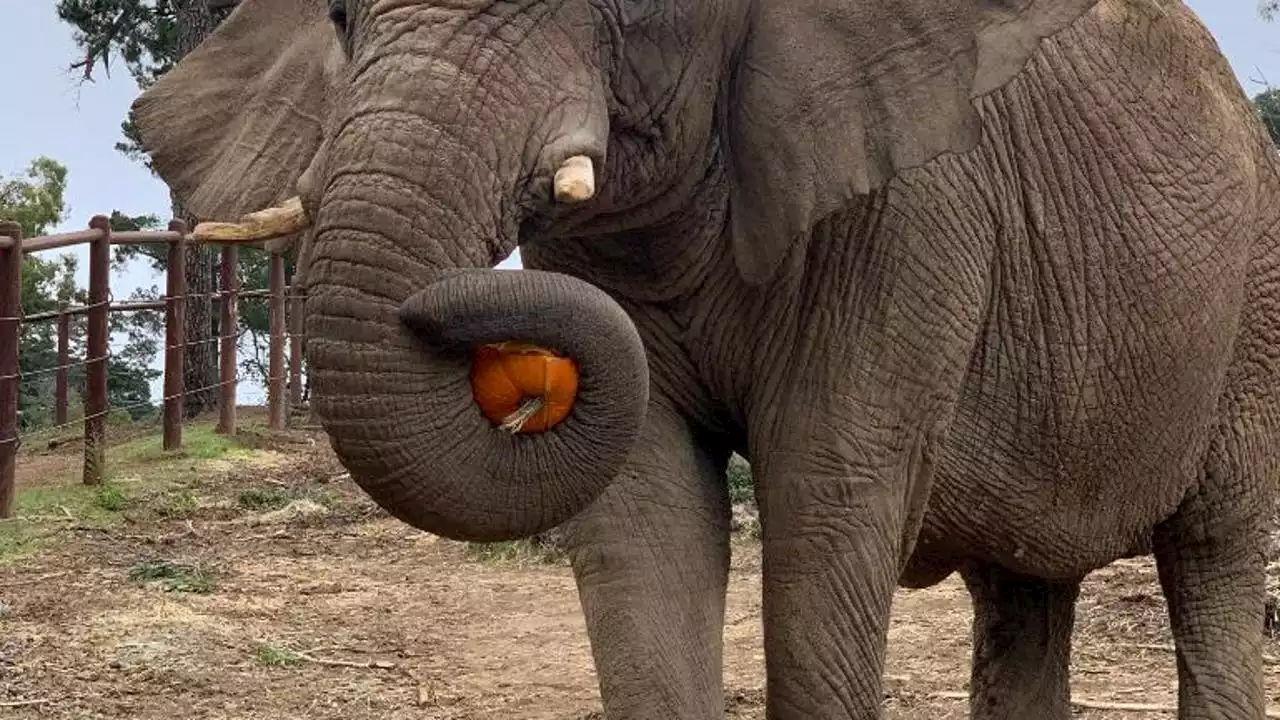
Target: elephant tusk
point(575, 180)
point(284, 219)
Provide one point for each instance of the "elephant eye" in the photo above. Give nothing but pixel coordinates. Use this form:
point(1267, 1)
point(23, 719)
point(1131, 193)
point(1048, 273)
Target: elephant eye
point(338, 14)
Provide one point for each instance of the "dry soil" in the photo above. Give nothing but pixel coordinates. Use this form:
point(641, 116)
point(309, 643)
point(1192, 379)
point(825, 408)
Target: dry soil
point(262, 584)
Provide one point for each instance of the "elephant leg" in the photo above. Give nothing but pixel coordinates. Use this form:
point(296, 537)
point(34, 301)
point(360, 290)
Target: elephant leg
point(651, 559)
point(1021, 644)
point(835, 533)
point(1210, 559)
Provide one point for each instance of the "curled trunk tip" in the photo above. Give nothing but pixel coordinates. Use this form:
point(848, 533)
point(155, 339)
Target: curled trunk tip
point(404, 421)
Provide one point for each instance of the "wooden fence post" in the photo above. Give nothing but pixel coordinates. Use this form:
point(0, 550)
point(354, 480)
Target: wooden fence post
point(295, 346)
point(175, 312)
point(96, 340)
point(60, 379)
point(10, 321)
point(230, 286)
point(275, 348)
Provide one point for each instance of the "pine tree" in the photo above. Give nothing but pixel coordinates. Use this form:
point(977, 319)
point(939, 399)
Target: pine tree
point(1268, 101)
point(151, 36)
point(1268, 106)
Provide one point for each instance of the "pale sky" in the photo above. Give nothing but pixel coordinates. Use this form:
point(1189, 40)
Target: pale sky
point(52, 113)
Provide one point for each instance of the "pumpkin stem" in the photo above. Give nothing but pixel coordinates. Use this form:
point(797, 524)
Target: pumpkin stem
point(514, 422)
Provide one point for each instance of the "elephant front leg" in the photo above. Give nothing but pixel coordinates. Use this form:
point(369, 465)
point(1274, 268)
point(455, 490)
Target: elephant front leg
point(840, 505)
point(651, 558)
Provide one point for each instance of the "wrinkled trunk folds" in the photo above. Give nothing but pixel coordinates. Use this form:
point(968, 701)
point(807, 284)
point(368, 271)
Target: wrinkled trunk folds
point(397, 402)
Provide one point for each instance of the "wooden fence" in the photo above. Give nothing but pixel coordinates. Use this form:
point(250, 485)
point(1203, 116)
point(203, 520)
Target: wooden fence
point(100, 238)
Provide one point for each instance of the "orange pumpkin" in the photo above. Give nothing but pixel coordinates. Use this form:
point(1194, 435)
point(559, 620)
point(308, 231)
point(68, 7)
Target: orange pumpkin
point(523, 387)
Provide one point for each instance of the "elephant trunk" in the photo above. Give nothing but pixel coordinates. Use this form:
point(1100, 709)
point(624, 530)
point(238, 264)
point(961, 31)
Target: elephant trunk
point(401, 290)
point(400, 413)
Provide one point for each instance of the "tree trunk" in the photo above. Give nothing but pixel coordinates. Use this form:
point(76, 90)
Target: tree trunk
point(195, 20)
point(200, 356)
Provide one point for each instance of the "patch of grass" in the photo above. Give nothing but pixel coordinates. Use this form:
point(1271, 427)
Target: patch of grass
point(742, 488)
point(260, 499)
point(273, 656)
point(42, 512)
point(539, 550)
point(179, 505)
point(90, 505)
point(18, 540)
point(199, 442)
point(173, 576)
point(137, 469)
point(110, 498)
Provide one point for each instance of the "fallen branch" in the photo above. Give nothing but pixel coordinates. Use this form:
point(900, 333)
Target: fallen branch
point(1090, 704)
point(1086, 704)
point(25, 703)
point(367, 665)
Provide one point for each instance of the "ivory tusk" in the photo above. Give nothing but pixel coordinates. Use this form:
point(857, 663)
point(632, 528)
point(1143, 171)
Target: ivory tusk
point(575, 180)
point(284, 219)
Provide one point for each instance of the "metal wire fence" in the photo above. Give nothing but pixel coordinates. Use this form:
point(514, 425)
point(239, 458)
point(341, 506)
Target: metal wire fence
point(283, 376)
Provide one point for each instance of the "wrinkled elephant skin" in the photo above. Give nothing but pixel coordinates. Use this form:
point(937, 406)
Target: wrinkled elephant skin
point(987, 287)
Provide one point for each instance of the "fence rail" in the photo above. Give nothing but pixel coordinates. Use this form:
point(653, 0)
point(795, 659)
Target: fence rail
point(100, 238)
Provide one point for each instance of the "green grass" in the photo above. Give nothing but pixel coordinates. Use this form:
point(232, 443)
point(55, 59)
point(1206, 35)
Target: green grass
point(199, 442)
point(179, 504)
point(51, 508)
point(18, 540)
point(260, 499)
point(134, 468)
point(741, 486)
point(263, 498)
point(273, 656)
point(527, 551)
point(174, 576)
point(88, 504)
point(110, 498)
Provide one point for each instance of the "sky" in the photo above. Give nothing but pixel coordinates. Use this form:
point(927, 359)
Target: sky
point(54, 113)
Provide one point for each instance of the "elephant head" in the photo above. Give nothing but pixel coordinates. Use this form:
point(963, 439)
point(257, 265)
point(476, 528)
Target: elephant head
point(425, 138)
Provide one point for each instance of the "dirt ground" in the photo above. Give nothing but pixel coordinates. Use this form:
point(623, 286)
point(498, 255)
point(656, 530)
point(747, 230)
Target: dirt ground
point(262, 584)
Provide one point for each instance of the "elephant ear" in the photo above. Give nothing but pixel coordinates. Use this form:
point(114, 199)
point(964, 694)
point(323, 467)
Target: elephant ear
point(831, 98)
point(234, 124)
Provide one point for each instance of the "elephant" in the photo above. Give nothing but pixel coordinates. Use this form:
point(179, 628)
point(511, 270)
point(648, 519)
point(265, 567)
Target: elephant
point(988, 287)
